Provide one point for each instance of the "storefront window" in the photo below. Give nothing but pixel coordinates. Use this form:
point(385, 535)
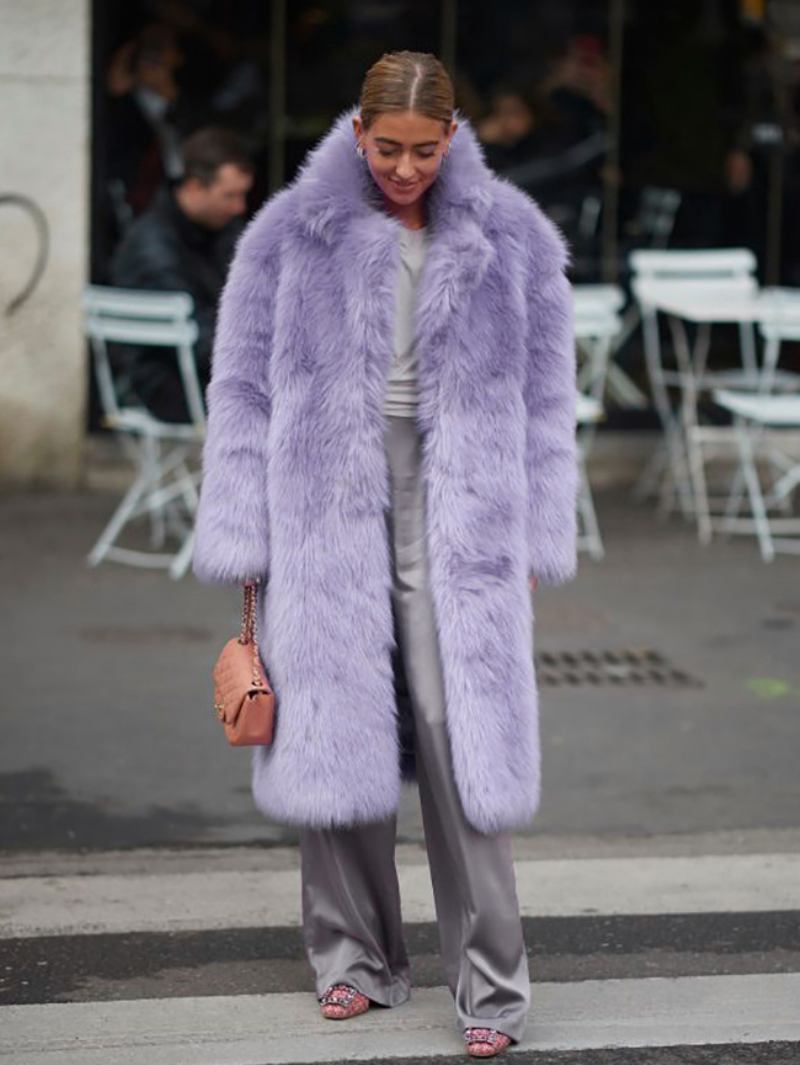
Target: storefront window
point(632, 124)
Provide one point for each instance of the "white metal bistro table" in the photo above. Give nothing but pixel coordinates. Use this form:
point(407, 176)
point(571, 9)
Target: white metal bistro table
point(746, 310)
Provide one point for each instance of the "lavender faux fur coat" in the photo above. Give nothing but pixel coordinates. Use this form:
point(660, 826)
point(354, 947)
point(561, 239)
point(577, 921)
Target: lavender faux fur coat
point(295, 475)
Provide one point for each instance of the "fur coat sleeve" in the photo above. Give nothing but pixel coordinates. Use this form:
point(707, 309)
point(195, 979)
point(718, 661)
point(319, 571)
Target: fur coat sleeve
point(550, 394)
point(231, 528)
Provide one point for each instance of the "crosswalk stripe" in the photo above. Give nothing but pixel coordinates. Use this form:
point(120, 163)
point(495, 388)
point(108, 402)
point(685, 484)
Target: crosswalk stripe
point(67, 905)
point(253, 1029)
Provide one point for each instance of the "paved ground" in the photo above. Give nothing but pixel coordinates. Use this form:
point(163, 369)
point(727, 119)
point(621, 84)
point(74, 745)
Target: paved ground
point(109, 739)
point(149, 917)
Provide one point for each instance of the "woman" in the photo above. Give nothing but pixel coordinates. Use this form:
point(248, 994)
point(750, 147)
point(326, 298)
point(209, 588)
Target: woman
point(391, 452)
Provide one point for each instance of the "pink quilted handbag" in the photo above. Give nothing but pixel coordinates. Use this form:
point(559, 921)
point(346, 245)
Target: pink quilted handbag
point(243, 699)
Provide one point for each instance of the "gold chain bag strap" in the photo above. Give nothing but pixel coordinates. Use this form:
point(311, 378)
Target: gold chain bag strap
point(243, 699)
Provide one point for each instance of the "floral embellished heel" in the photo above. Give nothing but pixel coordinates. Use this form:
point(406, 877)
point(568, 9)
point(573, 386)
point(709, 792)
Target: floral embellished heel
point(485, 1042)
point(341, 1001)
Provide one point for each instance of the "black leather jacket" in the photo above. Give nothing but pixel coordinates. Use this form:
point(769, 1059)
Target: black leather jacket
point(166, 251)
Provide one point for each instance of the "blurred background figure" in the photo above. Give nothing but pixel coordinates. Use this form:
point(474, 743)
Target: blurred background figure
point(179, 72)
point(509, 130)
point(578, 89)
point(685, 71)
point(147, 117)
point(764, 164)
point(550, 139)
point(184, 242)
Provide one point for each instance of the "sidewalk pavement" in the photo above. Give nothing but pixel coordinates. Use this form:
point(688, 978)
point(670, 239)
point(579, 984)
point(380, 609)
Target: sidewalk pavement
point(109, 740)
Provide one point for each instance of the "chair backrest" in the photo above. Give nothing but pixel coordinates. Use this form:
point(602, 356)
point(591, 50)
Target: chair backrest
point(593, 298)
point(714, 273)
point(681, 263)
point(589, 216)
point(142, 318)
point(597, 325)
point(656, 215)
point(781, 320)
point(596, 311)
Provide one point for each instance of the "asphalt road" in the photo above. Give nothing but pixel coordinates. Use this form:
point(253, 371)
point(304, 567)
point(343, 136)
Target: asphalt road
point(109, 738)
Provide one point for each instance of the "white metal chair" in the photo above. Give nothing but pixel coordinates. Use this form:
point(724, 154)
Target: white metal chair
point(651, 228)
point(165, 454)
point(780, 321)
point(588, 413)
point(597, 323)
point(774, 421)
point(619, 385)
point(655, 218)
point(659, 276)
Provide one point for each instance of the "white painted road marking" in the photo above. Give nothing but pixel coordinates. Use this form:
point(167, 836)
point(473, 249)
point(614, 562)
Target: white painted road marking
point(69, 905)
point(224, 1030)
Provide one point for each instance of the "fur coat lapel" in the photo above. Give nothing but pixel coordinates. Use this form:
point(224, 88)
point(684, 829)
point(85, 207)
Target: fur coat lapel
point(295, 478)
point(337, 204)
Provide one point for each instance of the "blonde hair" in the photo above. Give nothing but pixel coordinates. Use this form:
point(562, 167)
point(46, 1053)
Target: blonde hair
point(407, 81)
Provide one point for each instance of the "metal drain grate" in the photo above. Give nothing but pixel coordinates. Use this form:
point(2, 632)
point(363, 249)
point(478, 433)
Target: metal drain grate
point(629, 667)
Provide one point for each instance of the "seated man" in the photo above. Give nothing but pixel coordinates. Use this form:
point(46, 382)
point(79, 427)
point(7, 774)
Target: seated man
point(184, 242)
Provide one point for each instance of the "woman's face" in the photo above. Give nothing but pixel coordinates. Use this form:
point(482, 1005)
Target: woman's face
point(404, 151)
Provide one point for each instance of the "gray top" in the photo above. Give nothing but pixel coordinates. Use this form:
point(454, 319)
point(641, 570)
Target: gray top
point(401, 392)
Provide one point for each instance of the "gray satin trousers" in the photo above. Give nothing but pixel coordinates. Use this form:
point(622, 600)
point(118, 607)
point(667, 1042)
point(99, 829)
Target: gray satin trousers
point(350, 895)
